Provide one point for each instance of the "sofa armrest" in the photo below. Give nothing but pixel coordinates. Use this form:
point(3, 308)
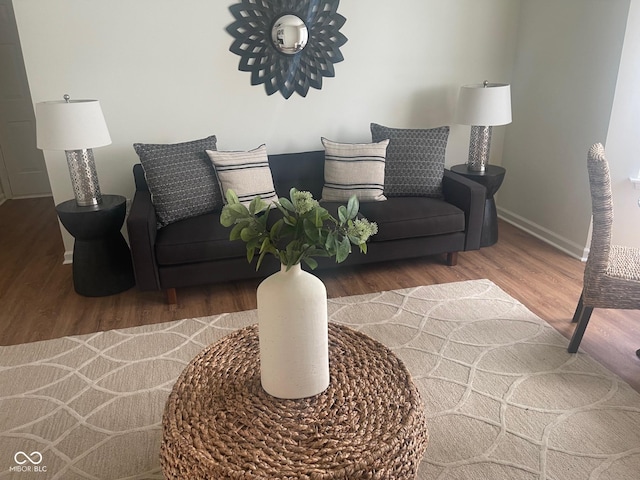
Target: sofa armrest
point(469, 196)
point(142, 230)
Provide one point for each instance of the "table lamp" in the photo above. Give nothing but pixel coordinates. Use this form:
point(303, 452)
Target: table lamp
point(75, 126)
point(483, 106)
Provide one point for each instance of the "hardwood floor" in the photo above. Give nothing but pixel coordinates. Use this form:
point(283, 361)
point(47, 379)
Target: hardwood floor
point(37, 300)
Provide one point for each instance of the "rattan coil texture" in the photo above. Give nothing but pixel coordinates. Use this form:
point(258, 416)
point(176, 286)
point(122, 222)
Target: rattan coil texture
point(220, 424)
point(612, 273)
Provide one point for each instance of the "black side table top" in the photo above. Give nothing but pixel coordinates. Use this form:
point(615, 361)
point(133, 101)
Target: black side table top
point(491, 178)
point(108, 202)
point(489, 170)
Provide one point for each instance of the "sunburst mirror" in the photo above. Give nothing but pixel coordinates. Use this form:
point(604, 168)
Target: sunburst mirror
point(288, 45)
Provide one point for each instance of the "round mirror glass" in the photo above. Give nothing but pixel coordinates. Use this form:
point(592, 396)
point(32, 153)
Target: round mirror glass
point(289, 34)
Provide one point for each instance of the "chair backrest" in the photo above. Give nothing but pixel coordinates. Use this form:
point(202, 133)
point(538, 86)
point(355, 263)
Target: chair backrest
point(602, 210)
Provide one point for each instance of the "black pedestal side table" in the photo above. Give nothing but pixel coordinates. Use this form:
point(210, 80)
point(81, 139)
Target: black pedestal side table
point(491, 178)
point(101, 258)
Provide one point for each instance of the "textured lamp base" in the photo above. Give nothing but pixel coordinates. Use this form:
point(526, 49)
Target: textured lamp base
point(479, 146)
point(84, 177)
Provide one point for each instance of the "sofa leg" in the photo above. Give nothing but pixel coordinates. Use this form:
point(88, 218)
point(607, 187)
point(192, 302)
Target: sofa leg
point(452, 258)
point(171, 295)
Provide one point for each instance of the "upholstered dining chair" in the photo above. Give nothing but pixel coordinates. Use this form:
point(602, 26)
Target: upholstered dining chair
point(612, 272)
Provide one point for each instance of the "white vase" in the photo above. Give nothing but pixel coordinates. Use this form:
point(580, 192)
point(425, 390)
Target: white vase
point(293, 334)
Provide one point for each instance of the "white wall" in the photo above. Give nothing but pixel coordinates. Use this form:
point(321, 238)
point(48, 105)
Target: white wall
point(564, 81)
point(163, 72)
point(623, 139)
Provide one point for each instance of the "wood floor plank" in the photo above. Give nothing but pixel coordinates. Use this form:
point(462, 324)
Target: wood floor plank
point(37, 300)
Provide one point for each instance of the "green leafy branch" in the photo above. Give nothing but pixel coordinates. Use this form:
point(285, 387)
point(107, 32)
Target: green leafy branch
point(305, 229)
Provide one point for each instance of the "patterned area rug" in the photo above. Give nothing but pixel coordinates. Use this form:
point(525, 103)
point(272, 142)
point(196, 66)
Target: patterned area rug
point(504, 399)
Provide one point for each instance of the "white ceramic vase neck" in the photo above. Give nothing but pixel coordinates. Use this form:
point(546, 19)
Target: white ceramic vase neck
point(293, 333)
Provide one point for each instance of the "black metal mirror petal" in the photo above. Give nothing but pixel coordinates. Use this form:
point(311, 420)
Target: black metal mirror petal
point(288, 45)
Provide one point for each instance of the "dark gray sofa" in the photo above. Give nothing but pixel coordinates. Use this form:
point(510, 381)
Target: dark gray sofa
point(197, 250)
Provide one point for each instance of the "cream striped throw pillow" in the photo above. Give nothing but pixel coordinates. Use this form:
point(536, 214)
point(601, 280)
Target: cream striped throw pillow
point(354, 168)
point(246, 173)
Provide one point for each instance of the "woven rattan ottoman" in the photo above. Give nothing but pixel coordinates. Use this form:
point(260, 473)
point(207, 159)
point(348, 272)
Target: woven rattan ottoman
point(220, 424)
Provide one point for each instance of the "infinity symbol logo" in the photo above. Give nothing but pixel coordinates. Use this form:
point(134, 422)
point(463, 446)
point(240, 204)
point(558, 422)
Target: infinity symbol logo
point(35, 458)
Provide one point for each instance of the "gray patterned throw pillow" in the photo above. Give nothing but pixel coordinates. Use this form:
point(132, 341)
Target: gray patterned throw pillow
point(181, 179)
point(415, 160)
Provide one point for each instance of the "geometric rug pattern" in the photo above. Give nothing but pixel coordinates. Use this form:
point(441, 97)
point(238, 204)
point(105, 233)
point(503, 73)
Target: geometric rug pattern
point(504, 399)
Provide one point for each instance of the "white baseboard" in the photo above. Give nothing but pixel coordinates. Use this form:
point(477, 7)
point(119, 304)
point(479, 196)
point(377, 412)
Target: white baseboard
point(68, 257)
point(38, 195)
point(567, 246)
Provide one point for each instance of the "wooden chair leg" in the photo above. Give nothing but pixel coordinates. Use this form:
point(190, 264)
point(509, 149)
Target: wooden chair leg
point(578, 313)
point(452, 259)
point(171, 295)
point(583, 321)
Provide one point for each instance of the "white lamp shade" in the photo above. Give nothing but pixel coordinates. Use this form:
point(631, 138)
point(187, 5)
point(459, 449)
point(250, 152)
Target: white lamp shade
point(72, 125)
point(484, 104)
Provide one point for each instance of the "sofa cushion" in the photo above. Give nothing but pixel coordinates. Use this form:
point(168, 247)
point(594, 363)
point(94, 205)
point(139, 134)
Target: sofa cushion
point(354, 169)
point(180, 178)
point(304, 171)
point(409, 217)
point(204, 239)
point(246, 173)
point(196, 239)
point(415, 160)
